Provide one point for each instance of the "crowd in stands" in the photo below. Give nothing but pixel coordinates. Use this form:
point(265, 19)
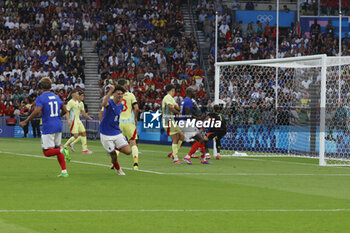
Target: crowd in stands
point(327, 7)
point(141, 41)
point(254, 90)
point(38, 39)
point(146, 44)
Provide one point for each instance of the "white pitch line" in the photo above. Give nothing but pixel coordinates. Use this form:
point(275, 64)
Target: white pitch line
point(250, 157)
point(178, 210)
point(256, 174)
point(80, 162)
point(184, 174)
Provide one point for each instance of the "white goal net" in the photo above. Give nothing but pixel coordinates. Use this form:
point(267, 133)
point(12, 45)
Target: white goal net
point(286, 107)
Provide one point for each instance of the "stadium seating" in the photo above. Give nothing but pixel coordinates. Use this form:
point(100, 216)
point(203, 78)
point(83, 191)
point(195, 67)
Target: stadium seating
point(256, 40)
point(147, 46)
point(38, 38)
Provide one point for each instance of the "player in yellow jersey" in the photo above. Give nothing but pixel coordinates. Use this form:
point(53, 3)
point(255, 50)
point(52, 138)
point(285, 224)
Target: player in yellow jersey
point(169, 107)
point(74, 107)
point(128, 121)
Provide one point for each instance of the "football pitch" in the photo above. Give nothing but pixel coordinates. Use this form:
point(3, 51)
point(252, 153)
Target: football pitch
point(262, 195)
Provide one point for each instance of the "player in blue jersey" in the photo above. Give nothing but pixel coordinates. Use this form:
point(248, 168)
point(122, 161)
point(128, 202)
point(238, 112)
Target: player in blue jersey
point(50, 106)
point(110, 133)
point(189, 113)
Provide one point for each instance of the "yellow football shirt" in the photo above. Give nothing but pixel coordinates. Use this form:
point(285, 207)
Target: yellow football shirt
point(75, 107)
point(167, 114)
point(127, 115)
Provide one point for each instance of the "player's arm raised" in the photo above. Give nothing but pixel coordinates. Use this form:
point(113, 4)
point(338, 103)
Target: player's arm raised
point(100, 114)
point(36, 112)
point(108, 96)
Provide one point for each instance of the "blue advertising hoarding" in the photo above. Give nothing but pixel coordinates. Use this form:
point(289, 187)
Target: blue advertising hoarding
point(7, 131)
point(276, 139)
point(281, 139)
point(19, 132)
point(285, 19)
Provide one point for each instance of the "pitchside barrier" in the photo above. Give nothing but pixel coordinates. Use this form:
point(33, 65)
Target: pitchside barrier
point(255, 138)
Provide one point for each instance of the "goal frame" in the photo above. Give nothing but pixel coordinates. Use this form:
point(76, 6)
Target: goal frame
point(321, 57)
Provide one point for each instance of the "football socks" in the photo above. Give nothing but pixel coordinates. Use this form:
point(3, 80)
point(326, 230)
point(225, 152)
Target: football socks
point(135, 153)
point(70, 140)
point(174, 147)
point(83, 142)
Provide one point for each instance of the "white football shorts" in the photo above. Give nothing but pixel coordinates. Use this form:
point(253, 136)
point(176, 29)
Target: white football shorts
point(51, 140)
point(112, 142)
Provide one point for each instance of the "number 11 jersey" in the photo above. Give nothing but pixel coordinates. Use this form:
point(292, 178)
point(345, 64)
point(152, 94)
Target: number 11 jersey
point(51, 106)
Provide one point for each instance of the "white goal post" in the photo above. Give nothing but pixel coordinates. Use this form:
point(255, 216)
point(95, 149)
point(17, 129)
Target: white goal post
point(303, 111)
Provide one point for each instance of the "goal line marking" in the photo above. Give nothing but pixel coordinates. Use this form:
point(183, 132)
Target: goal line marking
point(177, 210)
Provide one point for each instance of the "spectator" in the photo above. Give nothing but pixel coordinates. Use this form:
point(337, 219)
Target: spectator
point(345, 7)
point(315, 29)
point(235, 5)
point(332, 6)
point(36, 121)
point(11, 121)
point(8, 109)
point(178, 98)
point(208, 29)
point(330, 28)
point(267, 29)
point(224, 28)
point(87, 27)
point(24, 112)
point(259, 28)
point(249, 5)
point(2, 107)
point(286, 9)
point(254, 51)
point(79, 84)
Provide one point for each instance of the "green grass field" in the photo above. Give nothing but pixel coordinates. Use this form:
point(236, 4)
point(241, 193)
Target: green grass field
point(262, 195)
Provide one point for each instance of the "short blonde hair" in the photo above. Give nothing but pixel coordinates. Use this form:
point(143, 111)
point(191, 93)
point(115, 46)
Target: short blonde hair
point(45, 83)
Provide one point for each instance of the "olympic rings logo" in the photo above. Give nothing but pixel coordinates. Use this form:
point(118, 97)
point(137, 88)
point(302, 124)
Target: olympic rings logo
point(264, 18)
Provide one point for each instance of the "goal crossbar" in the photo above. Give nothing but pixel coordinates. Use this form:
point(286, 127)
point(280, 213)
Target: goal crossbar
point(293, 62)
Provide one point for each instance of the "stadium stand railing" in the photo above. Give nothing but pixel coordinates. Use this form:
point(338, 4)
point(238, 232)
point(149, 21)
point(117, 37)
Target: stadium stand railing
point(190, 5)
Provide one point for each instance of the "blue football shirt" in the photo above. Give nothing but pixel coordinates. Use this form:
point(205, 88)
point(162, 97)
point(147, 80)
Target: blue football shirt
point(187, 102)
point(110, 122)
point(51, 112)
